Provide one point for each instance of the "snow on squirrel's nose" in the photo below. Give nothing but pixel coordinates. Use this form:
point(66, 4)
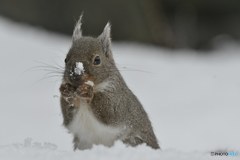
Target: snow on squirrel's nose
point(79, 69)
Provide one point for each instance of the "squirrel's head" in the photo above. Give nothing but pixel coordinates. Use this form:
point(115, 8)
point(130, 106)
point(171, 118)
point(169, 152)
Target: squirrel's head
point(89, 56)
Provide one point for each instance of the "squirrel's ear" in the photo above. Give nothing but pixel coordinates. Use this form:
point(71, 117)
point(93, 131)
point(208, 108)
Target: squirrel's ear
point(105, 39)
point(77, 32)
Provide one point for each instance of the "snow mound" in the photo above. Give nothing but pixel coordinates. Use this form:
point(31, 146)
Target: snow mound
point(30, 150)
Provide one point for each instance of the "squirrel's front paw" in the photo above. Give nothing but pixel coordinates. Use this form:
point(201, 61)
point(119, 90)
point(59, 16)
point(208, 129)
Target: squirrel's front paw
point(67, 92)
point(85, 92)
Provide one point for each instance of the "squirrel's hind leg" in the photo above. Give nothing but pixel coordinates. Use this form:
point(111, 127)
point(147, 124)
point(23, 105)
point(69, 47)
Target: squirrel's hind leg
point(137, 140)
point(78, 144)
point(75, 143)
point(133, 141)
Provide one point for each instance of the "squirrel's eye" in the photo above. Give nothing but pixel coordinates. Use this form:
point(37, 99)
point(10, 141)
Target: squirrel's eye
point(66, 59)
point(97, 60)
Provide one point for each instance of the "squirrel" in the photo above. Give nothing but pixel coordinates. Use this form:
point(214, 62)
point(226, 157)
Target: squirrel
point(97, 106)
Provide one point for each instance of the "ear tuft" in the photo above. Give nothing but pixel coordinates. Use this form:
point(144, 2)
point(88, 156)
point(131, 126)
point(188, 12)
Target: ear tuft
point(77, 32)
point(105, 38)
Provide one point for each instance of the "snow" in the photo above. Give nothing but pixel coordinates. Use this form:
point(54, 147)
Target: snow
point(79, 68)
point(32, 150)
point(90, 83)
point(192, 99)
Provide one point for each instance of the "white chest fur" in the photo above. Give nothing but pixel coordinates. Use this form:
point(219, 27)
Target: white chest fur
point(91, 131)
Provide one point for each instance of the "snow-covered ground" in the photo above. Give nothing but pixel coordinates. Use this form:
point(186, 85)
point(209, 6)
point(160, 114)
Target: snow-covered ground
point(193, 100)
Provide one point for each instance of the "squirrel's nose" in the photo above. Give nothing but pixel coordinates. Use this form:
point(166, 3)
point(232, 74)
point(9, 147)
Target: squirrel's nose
point(75, 78)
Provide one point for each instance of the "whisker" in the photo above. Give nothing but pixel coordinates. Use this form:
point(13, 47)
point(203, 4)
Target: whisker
point(49, 65)
point(137, 70)
point(133, 69)
point(59, 66)
point(46, 69)
point(127, 70)
point(57, 71)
